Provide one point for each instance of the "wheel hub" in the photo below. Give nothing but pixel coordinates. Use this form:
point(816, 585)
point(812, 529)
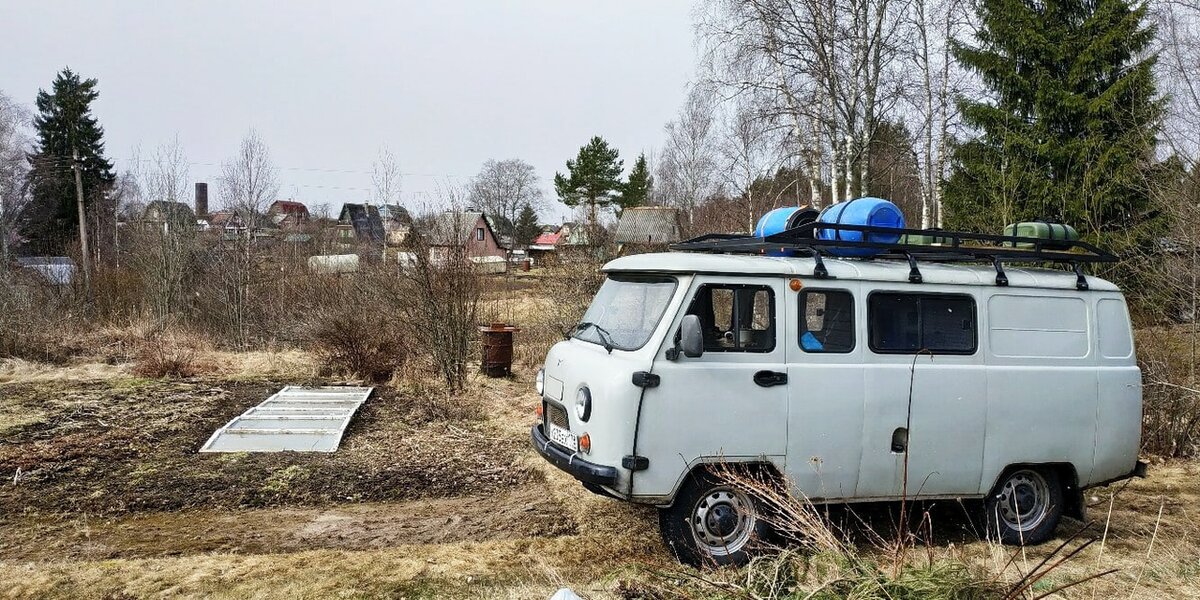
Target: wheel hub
point(1024, 500)
point(722, 521)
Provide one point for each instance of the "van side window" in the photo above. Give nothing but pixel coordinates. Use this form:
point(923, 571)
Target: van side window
point(826, 321)
point(910, 323)
point(735, 318)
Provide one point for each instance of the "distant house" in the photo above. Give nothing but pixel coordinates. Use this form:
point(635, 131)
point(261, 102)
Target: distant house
point(288, 214)
point(226, 221)
point(397, 223)
point(471, 231)
point(360, 224)
point(647, 228)
point(169, 216)
point(543, 247)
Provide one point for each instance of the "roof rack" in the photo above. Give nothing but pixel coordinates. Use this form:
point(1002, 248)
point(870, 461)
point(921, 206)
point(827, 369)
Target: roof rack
point(956, 246)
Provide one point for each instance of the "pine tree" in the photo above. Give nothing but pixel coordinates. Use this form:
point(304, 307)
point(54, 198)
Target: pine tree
point(65, 124)
point(592, 178)
point(1069, 129)
point(526, 229)
point(636, 190)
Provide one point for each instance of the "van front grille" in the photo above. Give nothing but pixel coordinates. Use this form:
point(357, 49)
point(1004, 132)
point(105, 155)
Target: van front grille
point(557, 416)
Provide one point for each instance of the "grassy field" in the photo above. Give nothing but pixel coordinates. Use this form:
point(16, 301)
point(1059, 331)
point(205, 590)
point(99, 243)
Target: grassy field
point(104, 496)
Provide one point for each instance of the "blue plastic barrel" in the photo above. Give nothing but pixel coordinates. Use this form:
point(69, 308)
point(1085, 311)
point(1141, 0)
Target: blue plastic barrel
point(782, 219)
point(875, 212)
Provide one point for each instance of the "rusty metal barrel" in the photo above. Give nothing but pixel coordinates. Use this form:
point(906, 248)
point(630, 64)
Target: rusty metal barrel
point(497, 349)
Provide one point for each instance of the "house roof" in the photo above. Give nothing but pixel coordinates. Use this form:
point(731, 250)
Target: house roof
point(170, 211)
point(546, 239)
point(395, 213)
point(648, 225)
point(365, 219)
point(288, 207)
point(453, 227)
point(222, 218)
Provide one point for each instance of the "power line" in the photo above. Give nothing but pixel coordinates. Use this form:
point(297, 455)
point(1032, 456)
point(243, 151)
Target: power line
point(313, 169)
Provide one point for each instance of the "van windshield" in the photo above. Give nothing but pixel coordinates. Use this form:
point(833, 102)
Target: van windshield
point(626, 310)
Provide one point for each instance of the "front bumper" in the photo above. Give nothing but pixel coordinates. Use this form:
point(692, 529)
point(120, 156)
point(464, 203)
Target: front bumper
point(570, 462)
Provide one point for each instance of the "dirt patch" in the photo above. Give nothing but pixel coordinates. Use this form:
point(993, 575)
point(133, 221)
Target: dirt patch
point(521, 513)
point(131, 445)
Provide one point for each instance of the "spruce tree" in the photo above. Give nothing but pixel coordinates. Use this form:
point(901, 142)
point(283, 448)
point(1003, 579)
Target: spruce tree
point(636, 189)
point(526, 229)
point(592, 179)
point(65, 124)
point(1068, 130)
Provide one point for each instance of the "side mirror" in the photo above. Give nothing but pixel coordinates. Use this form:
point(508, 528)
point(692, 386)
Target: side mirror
point(691, 338)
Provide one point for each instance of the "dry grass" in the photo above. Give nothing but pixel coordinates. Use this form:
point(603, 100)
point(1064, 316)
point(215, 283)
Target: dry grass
point(276, 365)
point(172, 354)
point(16, 370)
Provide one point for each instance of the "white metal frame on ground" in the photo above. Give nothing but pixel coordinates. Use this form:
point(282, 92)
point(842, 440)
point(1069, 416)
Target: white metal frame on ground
point(298, 419)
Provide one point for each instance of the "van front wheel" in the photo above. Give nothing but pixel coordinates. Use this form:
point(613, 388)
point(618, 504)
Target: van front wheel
point(1025, 507)
point(711, 523)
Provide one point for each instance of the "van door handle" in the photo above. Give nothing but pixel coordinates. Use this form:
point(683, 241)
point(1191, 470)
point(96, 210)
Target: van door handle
point(770, 378)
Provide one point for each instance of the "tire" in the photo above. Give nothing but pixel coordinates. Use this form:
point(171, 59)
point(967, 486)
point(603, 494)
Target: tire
point(1025, 507)
point(711, 523)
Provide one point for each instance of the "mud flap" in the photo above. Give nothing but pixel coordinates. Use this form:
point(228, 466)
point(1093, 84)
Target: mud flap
point(1073, 503)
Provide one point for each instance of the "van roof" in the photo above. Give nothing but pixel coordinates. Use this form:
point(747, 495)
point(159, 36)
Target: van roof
point(885, 270)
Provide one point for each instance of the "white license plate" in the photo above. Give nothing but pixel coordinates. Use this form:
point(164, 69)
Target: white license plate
point(564, 438)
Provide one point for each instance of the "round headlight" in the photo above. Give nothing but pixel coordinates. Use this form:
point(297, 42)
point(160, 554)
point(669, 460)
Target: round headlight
point(540, 383)
point(583, 404)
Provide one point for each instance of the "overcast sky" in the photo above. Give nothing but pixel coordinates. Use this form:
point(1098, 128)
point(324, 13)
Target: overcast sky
point(445, 85)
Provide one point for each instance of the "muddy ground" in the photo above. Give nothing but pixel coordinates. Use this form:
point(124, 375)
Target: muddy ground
point(102, 494)
point(130, 445)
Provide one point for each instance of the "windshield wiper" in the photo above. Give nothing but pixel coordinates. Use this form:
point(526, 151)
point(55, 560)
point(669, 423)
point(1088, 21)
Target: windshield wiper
point(605, 336)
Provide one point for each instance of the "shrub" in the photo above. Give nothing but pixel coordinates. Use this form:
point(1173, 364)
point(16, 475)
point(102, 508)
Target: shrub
point(360, 343)
point(1170, 397)
point(171, 354)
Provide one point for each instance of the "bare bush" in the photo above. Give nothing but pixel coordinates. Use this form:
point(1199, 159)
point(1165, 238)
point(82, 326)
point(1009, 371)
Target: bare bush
point(171, 354)
point(438, 293)
point(1171, 396)
point(361, 343)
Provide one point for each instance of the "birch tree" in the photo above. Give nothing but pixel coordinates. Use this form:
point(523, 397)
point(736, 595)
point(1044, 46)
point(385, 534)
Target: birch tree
point(163, 252)
point(829, 65)
point(688, 164)
point(932, 112)
point(249, 180)
point(386, 179)
point(750, 152)
point(14, 169)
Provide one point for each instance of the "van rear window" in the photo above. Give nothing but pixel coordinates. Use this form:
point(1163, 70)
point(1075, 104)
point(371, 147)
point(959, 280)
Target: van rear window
point(910, 323)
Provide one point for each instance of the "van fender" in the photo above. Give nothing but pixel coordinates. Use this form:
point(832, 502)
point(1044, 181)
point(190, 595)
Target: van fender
point(763, 467)
point(1073, 504)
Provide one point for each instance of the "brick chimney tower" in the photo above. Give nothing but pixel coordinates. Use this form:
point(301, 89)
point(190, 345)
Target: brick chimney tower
point(201, 200)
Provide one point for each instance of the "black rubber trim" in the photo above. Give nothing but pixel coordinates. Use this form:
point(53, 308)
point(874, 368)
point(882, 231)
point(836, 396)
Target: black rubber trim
point(1140, 469)
point(570, 462)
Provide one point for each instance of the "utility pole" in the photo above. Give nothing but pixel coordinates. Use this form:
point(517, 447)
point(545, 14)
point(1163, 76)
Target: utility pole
point(83, 237)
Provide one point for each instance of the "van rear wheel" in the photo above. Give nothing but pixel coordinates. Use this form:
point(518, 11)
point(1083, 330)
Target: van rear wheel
point(1025, 507)
point(712, 522)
